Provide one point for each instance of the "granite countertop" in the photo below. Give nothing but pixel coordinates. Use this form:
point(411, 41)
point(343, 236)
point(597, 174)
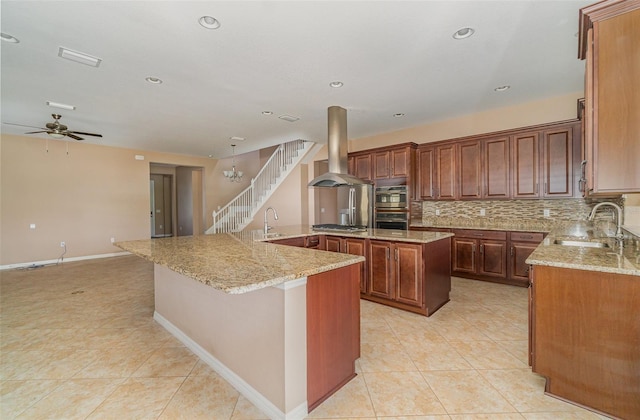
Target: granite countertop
point(609, 260)
point(286, 232)
point(242, 262)
point(234, 263)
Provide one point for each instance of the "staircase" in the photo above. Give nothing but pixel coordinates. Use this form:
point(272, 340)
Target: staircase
point(236, 215)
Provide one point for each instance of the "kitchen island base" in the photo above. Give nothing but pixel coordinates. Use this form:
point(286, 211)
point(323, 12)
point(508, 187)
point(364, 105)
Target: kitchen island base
point(285, 348)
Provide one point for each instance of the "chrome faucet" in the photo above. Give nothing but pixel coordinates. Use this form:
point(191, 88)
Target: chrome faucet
point(592, 215)
point(275, 217)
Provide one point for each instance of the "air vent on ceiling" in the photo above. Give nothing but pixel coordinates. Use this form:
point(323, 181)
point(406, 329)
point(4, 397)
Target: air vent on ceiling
point(79, 57)
point(288, 118)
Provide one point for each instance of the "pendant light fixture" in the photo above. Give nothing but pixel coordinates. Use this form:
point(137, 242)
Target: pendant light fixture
point(233, 174)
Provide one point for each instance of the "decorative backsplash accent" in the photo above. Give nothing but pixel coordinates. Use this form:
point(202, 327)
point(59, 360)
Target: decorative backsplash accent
point(509, 213)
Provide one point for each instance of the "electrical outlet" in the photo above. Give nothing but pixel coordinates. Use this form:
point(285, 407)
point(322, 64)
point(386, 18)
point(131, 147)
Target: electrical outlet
point(482, 212)
point(32, 226)
point(437, 212)
point(321, 209)
point(113, 239)
point(62, 244)
point(546, 212)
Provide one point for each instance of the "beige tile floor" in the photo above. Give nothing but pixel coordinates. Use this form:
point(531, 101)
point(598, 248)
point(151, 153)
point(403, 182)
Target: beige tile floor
point(78, 341)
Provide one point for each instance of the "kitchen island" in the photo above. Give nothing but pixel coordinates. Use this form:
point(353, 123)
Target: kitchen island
point(281, 324)
point(584, 319)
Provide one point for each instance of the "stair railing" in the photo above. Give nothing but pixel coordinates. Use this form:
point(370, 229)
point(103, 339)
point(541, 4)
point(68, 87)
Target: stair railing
point(239, 211)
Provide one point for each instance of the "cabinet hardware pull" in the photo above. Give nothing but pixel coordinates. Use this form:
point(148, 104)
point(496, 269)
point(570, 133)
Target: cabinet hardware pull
point(482, 248)
point(473, 248)
point(545, 188)
point(387, 252)
point(512, 251)
point(528, 237)
point(536, 188)
point(396, 254)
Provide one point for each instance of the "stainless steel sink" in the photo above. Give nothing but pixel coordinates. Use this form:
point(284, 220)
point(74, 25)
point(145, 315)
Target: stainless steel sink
point(586, 244)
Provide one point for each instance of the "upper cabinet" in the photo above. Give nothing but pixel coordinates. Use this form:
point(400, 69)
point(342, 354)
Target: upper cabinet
point(610, 41)
point(393, 163)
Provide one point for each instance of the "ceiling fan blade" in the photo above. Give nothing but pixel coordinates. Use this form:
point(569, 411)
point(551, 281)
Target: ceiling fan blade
point(22, 125)
point(84, 134)
point(36, 132)
point(73, 136)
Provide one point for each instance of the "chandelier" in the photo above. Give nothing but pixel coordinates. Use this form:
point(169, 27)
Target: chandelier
point(233, 174)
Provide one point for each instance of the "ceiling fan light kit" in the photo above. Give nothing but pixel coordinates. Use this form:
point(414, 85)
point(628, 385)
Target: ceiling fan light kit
point(57, 130)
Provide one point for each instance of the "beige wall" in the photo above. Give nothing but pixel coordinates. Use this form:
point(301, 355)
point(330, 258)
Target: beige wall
point(83, 197)
point(547, 110)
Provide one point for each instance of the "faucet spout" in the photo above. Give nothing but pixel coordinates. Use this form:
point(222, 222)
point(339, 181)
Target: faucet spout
point(266, 224)
point(592, 215)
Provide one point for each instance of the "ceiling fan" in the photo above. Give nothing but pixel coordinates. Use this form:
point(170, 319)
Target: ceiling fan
point(58, 130)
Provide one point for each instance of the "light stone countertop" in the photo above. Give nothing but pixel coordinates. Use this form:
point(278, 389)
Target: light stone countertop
point(609, 260)
point(243, 262)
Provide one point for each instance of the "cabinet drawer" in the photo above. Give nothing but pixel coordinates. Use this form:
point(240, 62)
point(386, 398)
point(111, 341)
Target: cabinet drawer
point(481, 234)
point(526, 237)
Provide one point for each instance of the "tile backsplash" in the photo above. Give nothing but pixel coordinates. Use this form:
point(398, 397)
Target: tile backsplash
point(515, 213)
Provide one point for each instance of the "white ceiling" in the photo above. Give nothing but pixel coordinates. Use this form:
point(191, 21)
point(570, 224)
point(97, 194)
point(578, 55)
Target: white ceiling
point(279, 56)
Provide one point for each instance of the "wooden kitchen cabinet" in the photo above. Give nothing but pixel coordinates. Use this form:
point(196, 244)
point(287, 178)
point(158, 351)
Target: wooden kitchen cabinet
point(558, 155)
point(313, 242)
point(584, 338)
point(496, 167)
point(521, 245)
point(411, 276)
point(609, 39)
point(525, 173)
point(353, 246)
point(360, 165)
point(425, 173)
point(393, 163)
point(469, 169)
point(446, 184)
point(479, 254)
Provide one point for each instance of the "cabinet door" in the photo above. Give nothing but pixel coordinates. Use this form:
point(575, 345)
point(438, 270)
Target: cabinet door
point(469, 169)
point(616, 136)
point(525, 165)
point(493, 259)
point(408, 273)
point(362, 166)
point(496, 168)
point(355, 246)
point(425, 176)
point(380, 269)
point(463, 258)
point(299, 242)
point(518, 254)
point(381, 167)
point(557, 162)
point(400, 162)
point(446, 172)
point(332, 243)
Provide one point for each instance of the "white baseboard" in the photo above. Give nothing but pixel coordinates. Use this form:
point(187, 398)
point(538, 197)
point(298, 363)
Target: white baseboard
point(256, 398)
point(35, 264)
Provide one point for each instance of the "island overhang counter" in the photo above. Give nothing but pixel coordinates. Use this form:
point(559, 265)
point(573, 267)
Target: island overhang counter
point(281, 324)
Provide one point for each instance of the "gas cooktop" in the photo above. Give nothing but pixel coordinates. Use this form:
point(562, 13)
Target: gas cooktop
point(342, 228)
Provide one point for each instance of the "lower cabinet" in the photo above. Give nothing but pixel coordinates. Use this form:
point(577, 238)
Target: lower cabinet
point(495, 256)
point(480, 253)
point(411, 276)
point(353, 246)
point(313, 242)
point(521, 245)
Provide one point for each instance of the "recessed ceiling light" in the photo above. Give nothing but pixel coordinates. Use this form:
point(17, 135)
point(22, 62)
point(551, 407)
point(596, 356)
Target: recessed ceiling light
point(336, 84)
point(79, 57)
point(288, 118)
point(398, 115)
point(463, 33)
point(9, 38)
point(502, 88)
point(62, 106)
point(209, 22)
point(267, 113)
point(153, 80)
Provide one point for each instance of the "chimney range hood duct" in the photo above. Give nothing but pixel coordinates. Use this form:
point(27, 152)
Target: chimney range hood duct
point(338, 163)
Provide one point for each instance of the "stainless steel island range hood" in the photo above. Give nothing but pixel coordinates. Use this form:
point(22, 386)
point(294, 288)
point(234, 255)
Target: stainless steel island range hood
point(338, 163)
